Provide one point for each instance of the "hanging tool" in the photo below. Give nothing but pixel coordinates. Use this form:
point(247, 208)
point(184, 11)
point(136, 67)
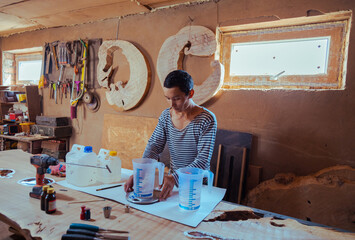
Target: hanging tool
point(54, 54)
point(55, 92)
point(93, 228)
point(63, 57)
point(42, 80)
point(92, 101)
point(81, 85)
point(94, 234)
point(41, 163)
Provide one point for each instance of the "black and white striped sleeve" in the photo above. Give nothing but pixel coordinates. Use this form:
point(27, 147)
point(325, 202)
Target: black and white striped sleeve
point(157, 141)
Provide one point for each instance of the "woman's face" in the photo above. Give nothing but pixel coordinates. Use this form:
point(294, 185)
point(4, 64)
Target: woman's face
point(177, 99)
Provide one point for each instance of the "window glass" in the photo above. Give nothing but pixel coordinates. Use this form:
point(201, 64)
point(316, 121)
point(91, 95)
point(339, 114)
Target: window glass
point(287, 57)
point(29, 71)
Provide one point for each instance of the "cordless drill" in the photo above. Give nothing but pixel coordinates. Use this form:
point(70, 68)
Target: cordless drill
point(41, 163)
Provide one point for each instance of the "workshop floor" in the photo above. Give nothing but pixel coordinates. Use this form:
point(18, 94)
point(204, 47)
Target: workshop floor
point(5, 234)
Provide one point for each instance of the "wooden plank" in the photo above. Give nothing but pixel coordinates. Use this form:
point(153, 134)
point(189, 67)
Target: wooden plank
point(128, 135)
point(337, 16)
point(231, 171)
point(254, 176)
point(235, 138)
point(217, 167)
point(242, 175)
point(33, 102)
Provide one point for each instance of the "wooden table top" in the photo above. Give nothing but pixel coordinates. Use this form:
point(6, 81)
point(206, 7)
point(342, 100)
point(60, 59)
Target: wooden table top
point(27, 138)
point(23, 212)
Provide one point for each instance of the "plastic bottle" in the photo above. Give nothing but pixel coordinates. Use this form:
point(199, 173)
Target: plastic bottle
point(115, 166)
point(101, 173)
point(113, 162)
point(85, 175)
point(82, 214)
point(51, 201)
point(43, 197)
point(87, 214)
point(72, 157)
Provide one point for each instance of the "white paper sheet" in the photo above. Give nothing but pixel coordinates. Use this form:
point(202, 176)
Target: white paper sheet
point(168, 209)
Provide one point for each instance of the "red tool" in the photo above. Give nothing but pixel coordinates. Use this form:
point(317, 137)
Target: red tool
point(41, 163)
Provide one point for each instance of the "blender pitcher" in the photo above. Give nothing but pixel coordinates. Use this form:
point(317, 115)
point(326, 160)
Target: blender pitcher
point(144, 176)
point(190, 184)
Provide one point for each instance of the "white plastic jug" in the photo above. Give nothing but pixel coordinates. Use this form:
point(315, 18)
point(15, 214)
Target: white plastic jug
point(86, 174)
point(144, 176)
point(190, 185)
point(110, 159)
point(72, 157)
point(102, 157)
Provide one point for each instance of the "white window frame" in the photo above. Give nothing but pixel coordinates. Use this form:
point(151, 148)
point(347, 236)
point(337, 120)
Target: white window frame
point(335, 79)
point(26, 54)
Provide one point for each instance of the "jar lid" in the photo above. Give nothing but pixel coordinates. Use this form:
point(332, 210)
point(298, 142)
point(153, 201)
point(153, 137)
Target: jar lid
point(50, 190)
point(113, 153)
point(88, 149)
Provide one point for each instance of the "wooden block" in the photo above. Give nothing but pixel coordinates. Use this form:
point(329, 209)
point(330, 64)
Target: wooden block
point(53, 145)
point(128, 135)
point(254, 176)
point(325, 197)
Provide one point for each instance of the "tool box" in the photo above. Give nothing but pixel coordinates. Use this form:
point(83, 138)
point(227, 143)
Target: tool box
point(52, 121)
point(51, 131)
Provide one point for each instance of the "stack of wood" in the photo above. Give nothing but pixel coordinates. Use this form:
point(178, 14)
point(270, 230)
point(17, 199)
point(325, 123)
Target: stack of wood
point(52, 126)
point(54, 148)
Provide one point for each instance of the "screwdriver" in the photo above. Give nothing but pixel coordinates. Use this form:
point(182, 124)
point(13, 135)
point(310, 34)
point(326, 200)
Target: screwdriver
point(85, 237)
point(94, 234)
point(93, 228)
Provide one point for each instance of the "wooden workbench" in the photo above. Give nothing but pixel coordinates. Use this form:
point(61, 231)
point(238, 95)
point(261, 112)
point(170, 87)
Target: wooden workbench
point(23, 213)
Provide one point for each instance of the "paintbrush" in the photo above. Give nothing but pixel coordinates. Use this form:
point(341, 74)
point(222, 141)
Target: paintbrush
point(100, 189)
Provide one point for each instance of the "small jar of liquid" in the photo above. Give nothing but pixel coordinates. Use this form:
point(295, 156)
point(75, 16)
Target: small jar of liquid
point(43, 197)
point(50, 201)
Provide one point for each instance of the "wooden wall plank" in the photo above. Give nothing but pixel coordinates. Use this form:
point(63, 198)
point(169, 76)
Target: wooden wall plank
point(128, 135)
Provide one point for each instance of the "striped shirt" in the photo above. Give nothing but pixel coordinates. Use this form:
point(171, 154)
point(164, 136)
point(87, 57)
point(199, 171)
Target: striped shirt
point(188, 147)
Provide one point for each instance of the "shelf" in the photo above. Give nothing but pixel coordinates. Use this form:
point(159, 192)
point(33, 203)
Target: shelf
point(33, 102)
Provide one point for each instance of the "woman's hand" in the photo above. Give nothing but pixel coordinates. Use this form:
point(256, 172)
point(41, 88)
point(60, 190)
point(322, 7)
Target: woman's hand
point(167, 187)
point(128, 186)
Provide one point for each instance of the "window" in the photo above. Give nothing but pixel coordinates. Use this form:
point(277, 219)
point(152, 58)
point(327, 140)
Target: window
point(22, 66)
point(28, 68)
point(287, 57)
point(300, 53)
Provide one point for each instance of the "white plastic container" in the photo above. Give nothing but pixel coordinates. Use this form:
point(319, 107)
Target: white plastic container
point(101, 157)
point(110, 159)
point(86, 173)
point(72, 157)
